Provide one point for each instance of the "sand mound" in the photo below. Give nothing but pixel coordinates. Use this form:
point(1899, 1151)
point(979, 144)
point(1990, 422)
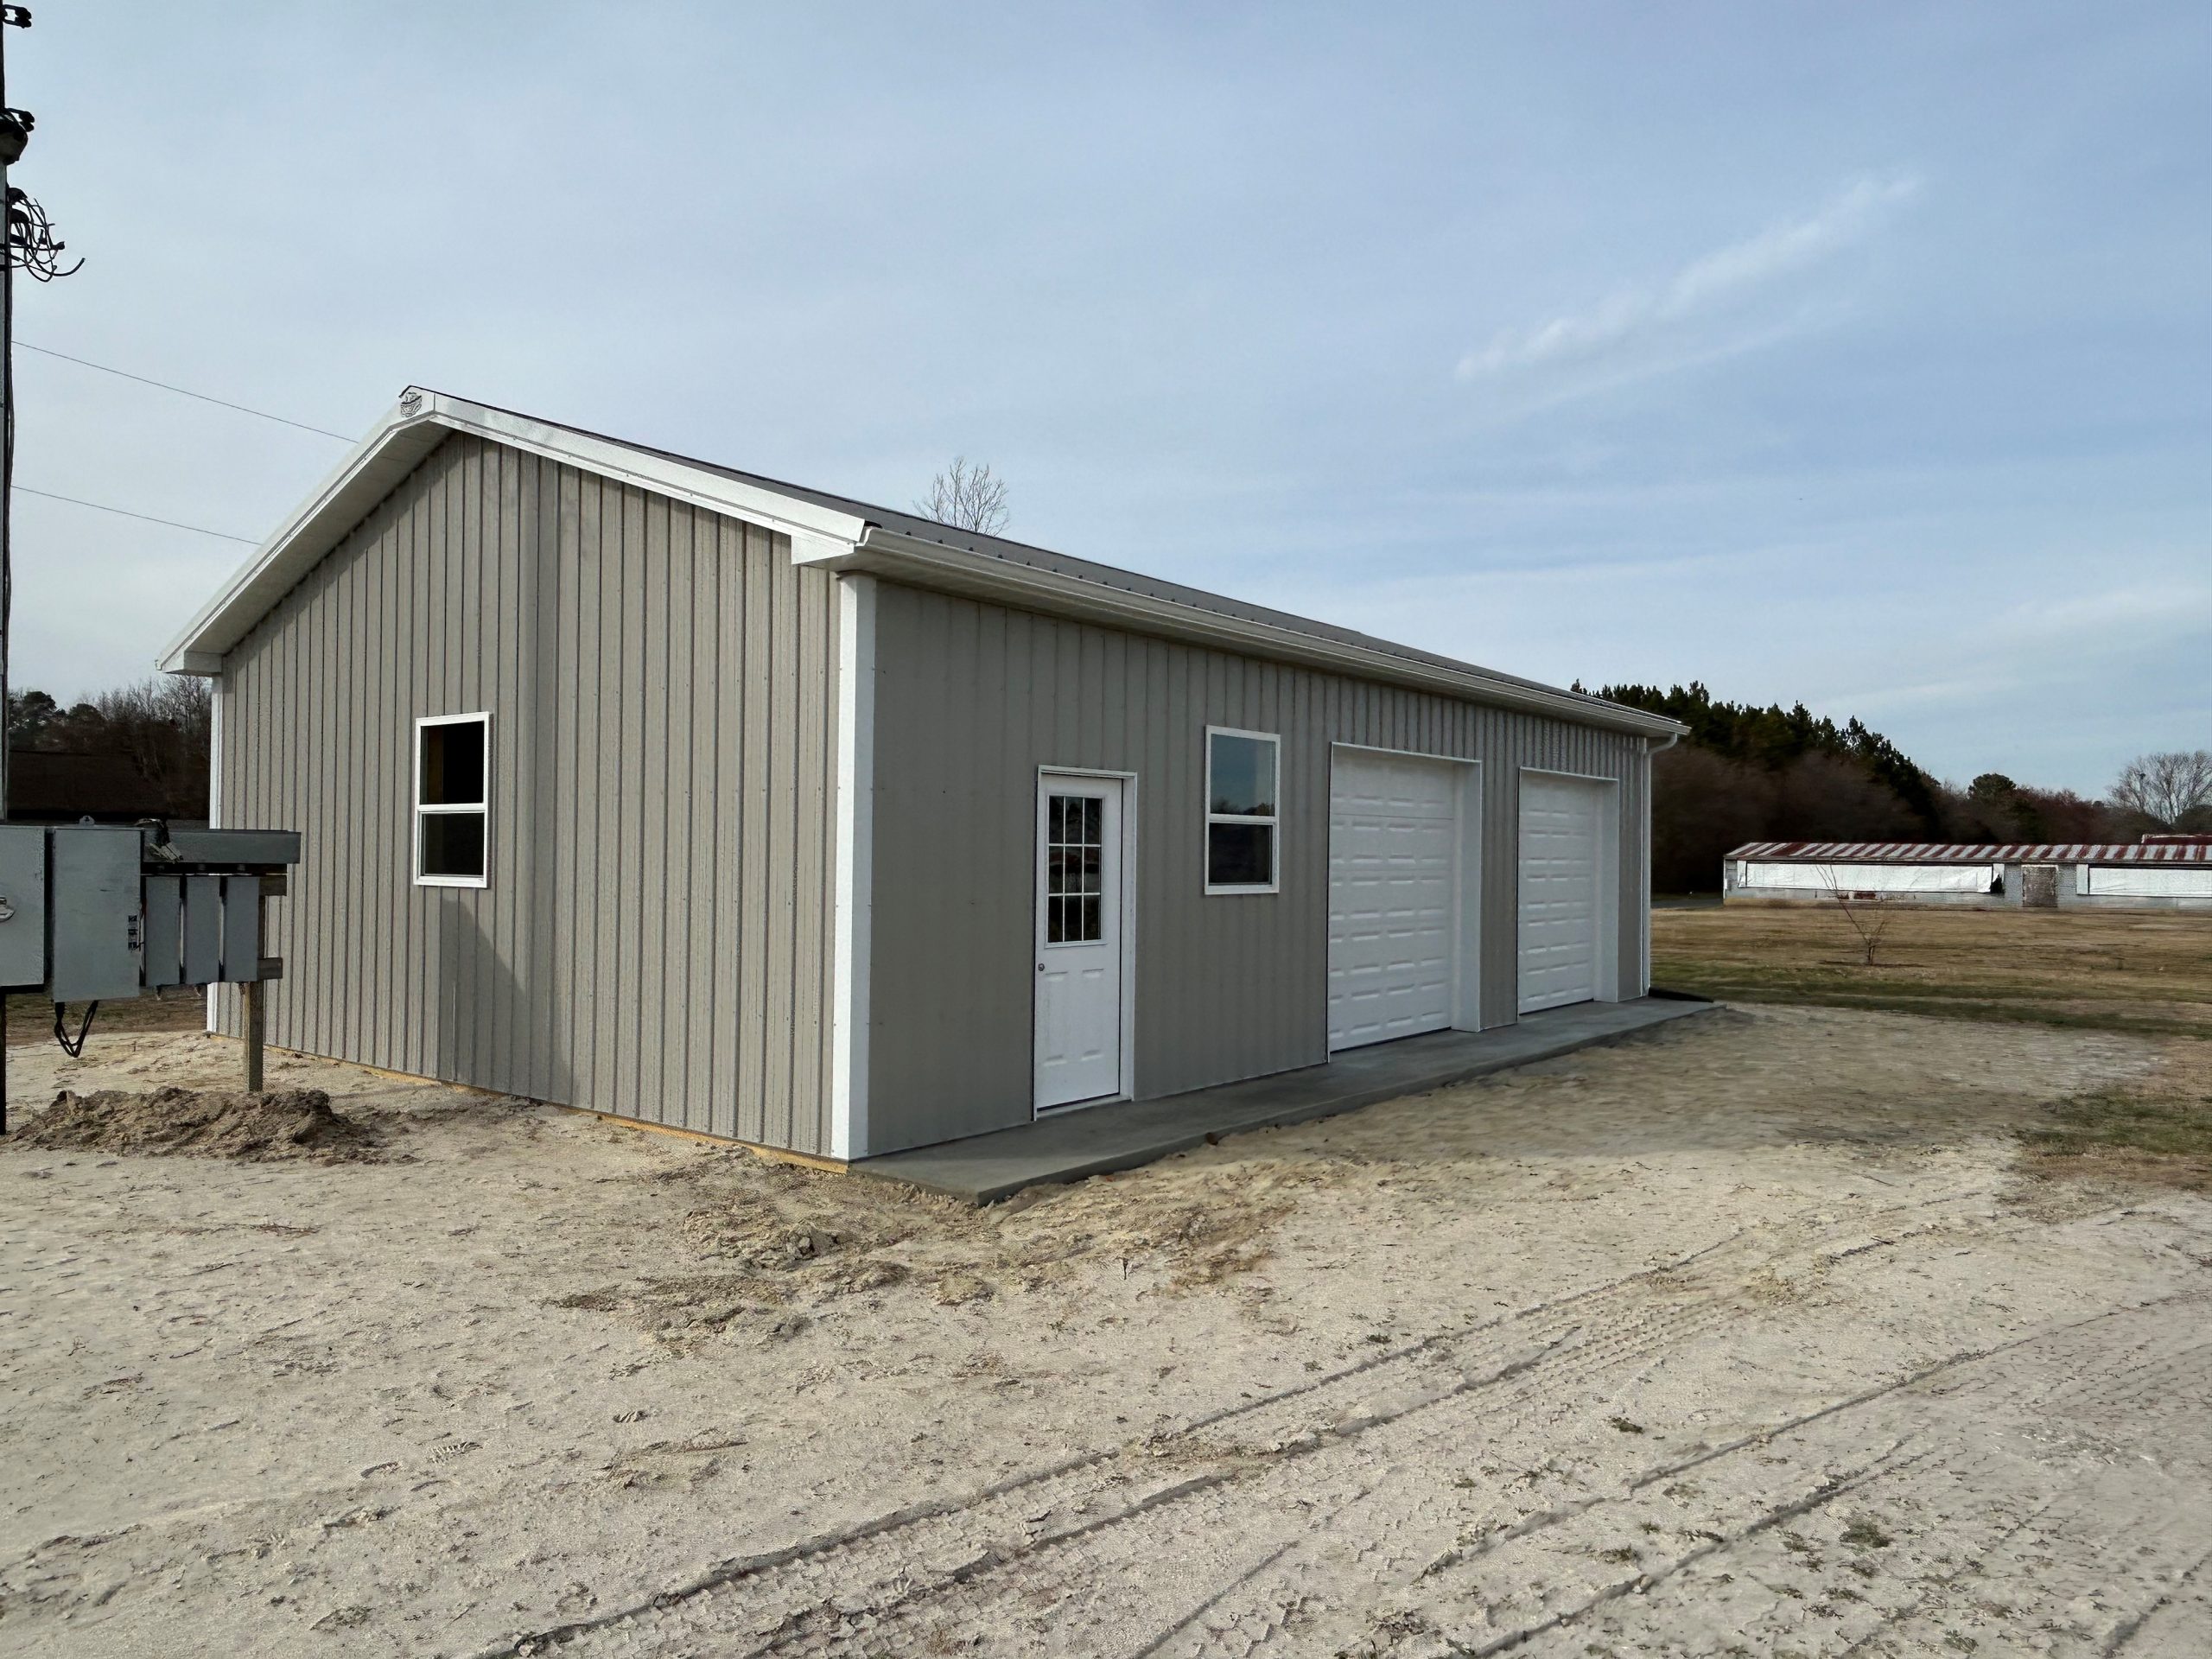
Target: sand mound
point(254, 1129)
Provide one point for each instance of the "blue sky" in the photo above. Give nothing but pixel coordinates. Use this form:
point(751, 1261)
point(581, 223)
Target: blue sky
point(1859, 354)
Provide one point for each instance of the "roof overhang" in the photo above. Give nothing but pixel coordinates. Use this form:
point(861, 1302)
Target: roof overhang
point(829, 538)
point(381, 461)
point(939, 565)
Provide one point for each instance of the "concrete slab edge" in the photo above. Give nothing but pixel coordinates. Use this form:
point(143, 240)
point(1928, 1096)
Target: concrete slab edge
point(1291, 1114)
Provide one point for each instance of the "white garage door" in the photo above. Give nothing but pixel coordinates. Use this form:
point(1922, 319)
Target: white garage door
point(1560, 896)
point(1394, 861)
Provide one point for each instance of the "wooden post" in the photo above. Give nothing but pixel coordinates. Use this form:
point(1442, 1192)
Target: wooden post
point(255, 1006)
point(250, 991)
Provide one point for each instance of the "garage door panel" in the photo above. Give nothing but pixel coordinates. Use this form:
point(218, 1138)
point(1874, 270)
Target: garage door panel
point(1560, 889)
point(1394, 839)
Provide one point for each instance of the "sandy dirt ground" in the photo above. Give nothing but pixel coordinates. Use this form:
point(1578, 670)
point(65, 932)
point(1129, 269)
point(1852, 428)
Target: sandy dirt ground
point(1761, 1334)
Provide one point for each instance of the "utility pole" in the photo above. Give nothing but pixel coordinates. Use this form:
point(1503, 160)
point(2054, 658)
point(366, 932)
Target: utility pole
point(26, 243)
point(14, 133)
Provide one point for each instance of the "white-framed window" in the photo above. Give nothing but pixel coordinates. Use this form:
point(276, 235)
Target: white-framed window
point(453, 829)
point(1243, 823)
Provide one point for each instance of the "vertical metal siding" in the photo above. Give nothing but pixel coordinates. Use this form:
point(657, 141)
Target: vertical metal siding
point(974, 697)
point(663, 774)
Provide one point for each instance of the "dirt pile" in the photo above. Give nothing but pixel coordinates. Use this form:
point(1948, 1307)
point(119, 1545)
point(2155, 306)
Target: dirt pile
point(762, 1238)
point(251, 1129)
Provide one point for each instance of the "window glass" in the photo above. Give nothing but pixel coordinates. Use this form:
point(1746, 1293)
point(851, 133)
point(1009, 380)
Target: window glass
point(1242, 783)
point(453, 844)
point(452, 764)
point(451, 833)
point(1242, 777)
point(1240, 855)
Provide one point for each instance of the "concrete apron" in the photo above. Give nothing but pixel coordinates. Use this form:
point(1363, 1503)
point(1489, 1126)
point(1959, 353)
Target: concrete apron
point(1069, 1146)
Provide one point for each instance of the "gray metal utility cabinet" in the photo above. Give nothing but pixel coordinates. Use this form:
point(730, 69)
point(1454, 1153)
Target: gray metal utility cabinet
point(96, 913)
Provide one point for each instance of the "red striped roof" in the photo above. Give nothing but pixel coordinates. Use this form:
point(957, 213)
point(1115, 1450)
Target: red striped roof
point(1912, 852)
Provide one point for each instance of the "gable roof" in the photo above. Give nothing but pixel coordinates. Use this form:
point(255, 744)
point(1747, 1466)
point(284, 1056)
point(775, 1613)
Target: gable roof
point(840, 534)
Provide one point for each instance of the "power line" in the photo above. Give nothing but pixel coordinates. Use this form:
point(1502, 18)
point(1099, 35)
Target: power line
point(225, 403)
point(125, 513)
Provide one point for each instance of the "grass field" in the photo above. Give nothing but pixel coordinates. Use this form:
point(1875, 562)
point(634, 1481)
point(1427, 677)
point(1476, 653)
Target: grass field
point(2145, 972)
point(2142, 971)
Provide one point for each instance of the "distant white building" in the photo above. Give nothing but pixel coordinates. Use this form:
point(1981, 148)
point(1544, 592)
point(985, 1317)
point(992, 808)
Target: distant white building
point(2173, 874)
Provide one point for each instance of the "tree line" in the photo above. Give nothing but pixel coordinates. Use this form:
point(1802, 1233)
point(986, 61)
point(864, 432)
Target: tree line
point(1749, 773)
point(1743, 773)
point(160, 728)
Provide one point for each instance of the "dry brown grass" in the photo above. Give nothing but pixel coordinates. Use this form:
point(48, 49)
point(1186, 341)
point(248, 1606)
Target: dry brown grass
point(2144, 971)
point(2159, 1132)
point(2147, 972)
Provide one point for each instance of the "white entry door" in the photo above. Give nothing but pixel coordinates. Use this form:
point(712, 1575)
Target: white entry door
point(1394, 880)
point(1561, 890)
point(1079, 944)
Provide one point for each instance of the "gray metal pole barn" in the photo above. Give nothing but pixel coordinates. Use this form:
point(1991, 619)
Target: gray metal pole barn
point(759, 845)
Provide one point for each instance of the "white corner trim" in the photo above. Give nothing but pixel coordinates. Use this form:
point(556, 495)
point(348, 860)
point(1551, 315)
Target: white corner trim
point(855, 902)
point(214, 793)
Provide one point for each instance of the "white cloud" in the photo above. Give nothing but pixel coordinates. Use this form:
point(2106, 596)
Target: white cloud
point(2111, 618)
point(1726, 278)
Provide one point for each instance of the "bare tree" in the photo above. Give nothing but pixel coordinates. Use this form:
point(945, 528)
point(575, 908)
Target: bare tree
point(1869, 913)
point(2165, 786)
point(967, 497)
point(163, 725)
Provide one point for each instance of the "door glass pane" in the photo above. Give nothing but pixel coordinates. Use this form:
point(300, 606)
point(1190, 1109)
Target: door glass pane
point(1074, 869)
point(1240, 855)
point(1244, 776)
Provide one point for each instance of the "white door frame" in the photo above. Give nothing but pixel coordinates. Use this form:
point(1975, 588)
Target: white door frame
point(1609, 883)
point(1128, 920)
point(1467, 886)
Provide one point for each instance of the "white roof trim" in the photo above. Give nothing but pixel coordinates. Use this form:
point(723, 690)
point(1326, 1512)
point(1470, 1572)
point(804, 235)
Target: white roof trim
point(828, 536)
point(416, 425)
point(939, 565)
